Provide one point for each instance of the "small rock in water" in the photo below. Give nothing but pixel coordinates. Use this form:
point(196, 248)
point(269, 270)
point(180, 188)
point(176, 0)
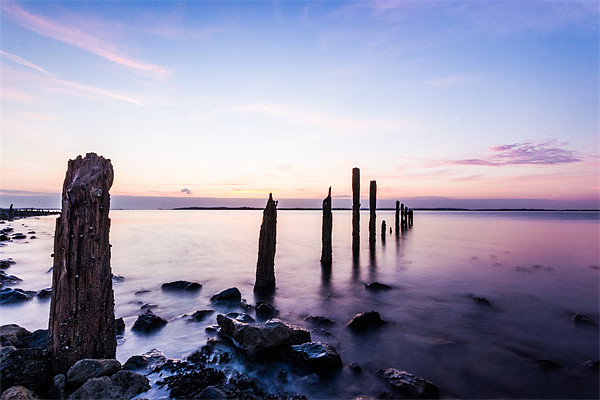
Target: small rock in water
point(266, 310)
point(409, 384)
point(354, 367)
point(229, 296)
point(148, 322)
point(481, 300)
point(118, 278)
point(8, 295)
point(583, 319)
point(242, 317)
point(6, 263)
point(148, 306)
point(120, 326)
point(200, 315)
point(364, 320)
point(45, 293)
point(142, 291)
point(317, 356)
point(19, 236)
point(181, 285)
point(6, 279)
point(4, 238)
point(377, 286)
point(549, 365)
point(323, 321)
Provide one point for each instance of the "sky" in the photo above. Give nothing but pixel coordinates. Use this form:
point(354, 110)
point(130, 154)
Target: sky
point(443, 103)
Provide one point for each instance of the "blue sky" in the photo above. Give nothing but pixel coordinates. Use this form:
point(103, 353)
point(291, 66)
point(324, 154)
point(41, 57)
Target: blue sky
point(446, 100)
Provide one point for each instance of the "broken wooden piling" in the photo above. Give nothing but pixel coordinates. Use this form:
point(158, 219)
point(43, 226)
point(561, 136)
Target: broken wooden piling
point(372, 216)
point(355, 210)
point(397, 225)
point(82, 321)
point(326, 256)
point(383, 231)
point(265, 266)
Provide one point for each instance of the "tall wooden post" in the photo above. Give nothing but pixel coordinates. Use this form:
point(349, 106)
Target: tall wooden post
point(383, 231)
point(402, 217)
point(82, 320)
point(265, 266)
point(397, 226)
point(355, 210)
point(326, 230)
point(372, 216)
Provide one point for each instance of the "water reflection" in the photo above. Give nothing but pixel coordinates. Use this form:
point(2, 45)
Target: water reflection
point(325, 275)
point(355, 267)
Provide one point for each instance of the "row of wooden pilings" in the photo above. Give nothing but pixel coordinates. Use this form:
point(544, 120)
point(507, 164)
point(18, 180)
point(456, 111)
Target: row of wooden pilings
point(82, 322)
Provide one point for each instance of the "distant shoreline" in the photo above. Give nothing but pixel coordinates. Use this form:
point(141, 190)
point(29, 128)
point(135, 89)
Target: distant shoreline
point(384, 209)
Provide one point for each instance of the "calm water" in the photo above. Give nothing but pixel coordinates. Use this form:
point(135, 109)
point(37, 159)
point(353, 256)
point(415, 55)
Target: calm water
point(536, 268)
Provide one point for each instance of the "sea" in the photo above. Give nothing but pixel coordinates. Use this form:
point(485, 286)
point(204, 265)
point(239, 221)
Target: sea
point(536, 269)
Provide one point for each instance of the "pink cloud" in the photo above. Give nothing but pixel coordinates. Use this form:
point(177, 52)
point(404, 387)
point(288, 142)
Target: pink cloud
point(549, 152)
point(81, 39)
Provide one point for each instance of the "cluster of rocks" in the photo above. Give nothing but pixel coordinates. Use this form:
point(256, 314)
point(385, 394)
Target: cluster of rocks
point(15, 295)
point(9, 234)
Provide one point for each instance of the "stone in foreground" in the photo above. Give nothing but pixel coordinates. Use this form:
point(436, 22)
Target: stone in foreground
point(317, 356)
point(411, 385)
point(88, 368)
point(121, 386)
point(364, 320)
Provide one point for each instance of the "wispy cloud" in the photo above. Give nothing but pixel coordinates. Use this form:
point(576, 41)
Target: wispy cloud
point(549, 152)
point(20, 60)
point(308, 117)
point(186, 191)
point(79, 38)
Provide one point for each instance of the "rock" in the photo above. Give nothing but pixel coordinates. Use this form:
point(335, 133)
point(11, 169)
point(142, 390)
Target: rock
point(316, 356)
point(19, 236)
point(151, 359)
point(14, 335)
point(31, 233)
point(88, 368)
point(142, 291)
point(4, 238)
point(6, 279)
point(591, 364)
point(191, 384)
point(481, 300)
point(364, 320)
point(411, 385)
point(6, 263)
point(33, 237)
point(230, 296)
point(148, 306)
point(57, 387)
point(266, 310)
point(323, 321)
point(242, 317)
point(122, 385)
point(377, 286)
point(548, 365)
point(18, 393)
point(25, 367)
point(148, 322)
point(354, 367)
point(8, 296)
point(37, 339)
point(120, 326)
point(117, 278)
point(212, 392)
point(45, 293)
point(181, 285)
point(583, 319)
point(262, 339)
point(200, 315)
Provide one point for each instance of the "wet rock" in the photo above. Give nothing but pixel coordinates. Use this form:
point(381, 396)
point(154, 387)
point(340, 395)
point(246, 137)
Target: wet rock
point(122, 385)
point(151, 359)
point(120, 326)
point(18, 393)
point(57, 387)
point(322, 321)
point(282, 375)
point(6, 279)
point(8, 296)
point(19, 236)
point(262, 339)
point(316, 356)
point(37, 339)
point(25, 367)
point(410, 385)
point(14, 335)
point(583, 319)
point(181, 285)
point(354, 367)
point(212, 392)
point(4, 238)
point(591, 364)
point(375, 286)
point(6, 263)
point(117, 278)
point(364, 320)
point(266, 310)
point(190, 385)
point(88, 368)
point(33, 237)
point(229, 296)
point(201, 315)
point(45, 293)
point(549, 365)
point(148, 306)
point(142, 291)
point(242, 317)
point(31, 233)
point(481, 300)
point(148, 322)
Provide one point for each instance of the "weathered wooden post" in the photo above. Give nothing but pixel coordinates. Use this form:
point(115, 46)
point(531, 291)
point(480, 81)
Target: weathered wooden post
point(265, 266)
point(372, 216)
point(326, 230)
point(410, 217)
point(82, 320)
point(397, 226)
point(355, 210)
point(383, 231)
point(402, 216)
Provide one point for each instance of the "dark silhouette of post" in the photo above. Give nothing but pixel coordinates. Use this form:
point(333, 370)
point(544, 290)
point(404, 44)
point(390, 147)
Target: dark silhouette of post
point(410, 217)
point(82, 320)
point(265, 266)
point(402, 217)
point(355, 210)
point(372, 216)
point(397, 226)
point(383, 231)
point(326, 230)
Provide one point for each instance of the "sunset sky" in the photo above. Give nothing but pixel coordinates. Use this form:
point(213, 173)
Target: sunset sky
point(444, 103)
